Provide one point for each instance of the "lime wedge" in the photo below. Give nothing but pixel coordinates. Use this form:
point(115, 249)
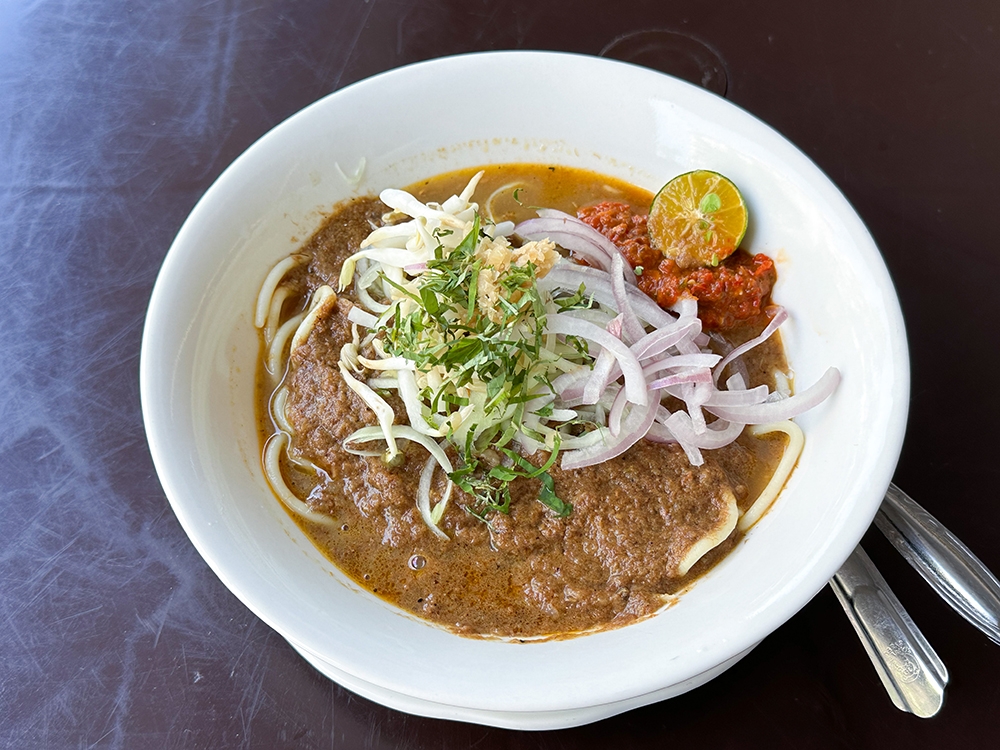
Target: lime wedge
point(698, 219)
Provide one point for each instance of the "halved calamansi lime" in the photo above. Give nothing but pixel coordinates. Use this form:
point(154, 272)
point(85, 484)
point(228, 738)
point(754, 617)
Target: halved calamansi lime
point(697, 219)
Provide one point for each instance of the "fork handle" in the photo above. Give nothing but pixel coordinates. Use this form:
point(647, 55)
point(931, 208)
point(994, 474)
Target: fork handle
point(945, 563)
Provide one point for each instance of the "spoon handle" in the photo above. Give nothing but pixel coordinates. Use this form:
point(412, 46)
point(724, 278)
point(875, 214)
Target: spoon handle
point(945, 563)
point(911, 671)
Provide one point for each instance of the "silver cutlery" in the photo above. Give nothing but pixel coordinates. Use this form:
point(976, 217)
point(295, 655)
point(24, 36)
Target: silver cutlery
point(911, 671)
point(945, 563)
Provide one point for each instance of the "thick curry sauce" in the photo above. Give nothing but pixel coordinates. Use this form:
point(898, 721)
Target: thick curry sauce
point(527, 573)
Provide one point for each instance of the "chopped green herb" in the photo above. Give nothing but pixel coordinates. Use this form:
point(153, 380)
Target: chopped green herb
point(487, 358)
point(548, 497)
point(710, 203)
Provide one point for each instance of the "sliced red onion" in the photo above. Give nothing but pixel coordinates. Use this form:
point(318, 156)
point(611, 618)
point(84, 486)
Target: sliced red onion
point(736, 382)
point(570, 385)
point(557, 221)
point(597, 316)
point(581, 247)
point(738, 397)
point(686, 307)
point(602, 373)
point(695, 376)
point(634, 428)
point(660, 340)
point(632, 329)
point(716, 435)
point(700, 361)
point(694, 395)
point(780, 316)
point(605, 368)
point(582, 228)
point(635, 383)
point(614, 327)
point(568, 276)
point(786, 408)
point(660, 434)
point(699, 394)
point(615, 415)
point(605, 402)
point(693, 452)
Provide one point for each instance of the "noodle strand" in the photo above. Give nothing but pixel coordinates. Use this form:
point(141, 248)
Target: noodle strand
point(788, 460)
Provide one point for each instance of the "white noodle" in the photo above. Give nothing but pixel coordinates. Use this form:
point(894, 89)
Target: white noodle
point(275, 353)
point(278, 403)
point(714, 538)
point(788, 460)
point(274, 312)
point(272, 469)
point(271, 283)
point(323, 297)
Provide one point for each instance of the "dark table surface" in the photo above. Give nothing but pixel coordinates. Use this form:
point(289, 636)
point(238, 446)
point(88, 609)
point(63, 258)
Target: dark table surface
point(115, 117)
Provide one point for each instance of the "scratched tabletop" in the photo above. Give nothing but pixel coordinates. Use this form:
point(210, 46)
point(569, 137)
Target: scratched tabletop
point(115, 117)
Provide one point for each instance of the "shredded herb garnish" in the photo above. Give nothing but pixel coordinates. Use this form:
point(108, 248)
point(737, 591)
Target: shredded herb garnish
point(489, 351)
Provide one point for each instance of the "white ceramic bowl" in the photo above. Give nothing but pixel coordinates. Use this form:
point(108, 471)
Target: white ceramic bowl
point(200, 347)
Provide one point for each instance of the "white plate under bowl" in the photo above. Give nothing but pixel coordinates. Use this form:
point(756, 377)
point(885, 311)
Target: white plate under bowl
point(525, 720)
point(200, 347)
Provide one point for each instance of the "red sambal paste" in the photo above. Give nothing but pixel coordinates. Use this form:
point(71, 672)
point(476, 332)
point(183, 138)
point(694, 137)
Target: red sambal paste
point(735, 291)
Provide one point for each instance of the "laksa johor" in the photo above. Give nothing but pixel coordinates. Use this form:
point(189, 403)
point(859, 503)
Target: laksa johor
point(543, 412)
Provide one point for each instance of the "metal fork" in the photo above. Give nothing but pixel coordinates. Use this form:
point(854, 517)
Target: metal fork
point(946, 564)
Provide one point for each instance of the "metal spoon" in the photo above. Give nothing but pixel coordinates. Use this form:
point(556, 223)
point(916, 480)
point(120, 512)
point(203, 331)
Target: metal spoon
point(945, 563)
point(911, 671)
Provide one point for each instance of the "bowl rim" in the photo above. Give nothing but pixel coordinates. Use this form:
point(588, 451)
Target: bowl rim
point(810, 581)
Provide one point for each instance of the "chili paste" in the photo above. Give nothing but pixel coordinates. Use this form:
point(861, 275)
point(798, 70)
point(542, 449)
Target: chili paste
point(735, 292)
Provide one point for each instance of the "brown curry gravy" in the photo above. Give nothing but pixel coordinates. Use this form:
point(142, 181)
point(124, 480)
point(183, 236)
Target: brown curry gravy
point(531, 573)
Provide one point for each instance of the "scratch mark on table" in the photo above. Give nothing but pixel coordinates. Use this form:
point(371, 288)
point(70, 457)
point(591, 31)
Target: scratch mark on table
point(353, 45)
